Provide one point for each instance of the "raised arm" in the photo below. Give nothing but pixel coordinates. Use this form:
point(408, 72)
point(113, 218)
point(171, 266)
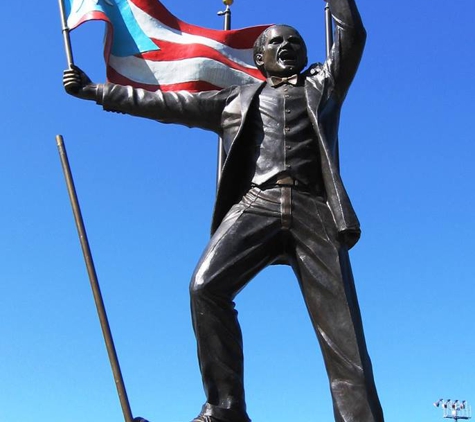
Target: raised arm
point(349, 40)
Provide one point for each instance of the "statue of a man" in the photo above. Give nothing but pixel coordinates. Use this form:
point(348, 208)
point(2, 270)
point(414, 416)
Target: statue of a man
point(280, 200)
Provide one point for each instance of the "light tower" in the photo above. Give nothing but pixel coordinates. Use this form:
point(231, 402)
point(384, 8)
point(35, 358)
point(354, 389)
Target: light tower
point(455, 409)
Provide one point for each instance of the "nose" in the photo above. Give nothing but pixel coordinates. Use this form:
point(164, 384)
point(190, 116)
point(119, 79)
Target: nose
point(286, 44)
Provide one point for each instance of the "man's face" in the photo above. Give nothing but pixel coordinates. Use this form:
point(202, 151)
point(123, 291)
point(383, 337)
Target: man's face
point(284, 52)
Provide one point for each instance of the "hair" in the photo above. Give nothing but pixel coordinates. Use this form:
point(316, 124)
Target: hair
point(261, 40)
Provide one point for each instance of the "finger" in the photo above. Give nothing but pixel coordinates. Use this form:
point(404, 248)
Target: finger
point(71, 84)
point(71, 79)
point(70, 74)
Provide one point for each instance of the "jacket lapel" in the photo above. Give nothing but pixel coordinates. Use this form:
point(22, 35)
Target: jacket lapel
point(247, 95)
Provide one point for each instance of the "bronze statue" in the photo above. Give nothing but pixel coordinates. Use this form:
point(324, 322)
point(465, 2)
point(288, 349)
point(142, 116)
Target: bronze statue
point(280, 200)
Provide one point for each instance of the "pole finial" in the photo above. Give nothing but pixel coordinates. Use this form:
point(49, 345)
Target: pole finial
point(228, 2)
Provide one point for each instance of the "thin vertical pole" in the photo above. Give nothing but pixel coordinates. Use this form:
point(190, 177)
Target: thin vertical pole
point(221, 153)
point(96, 291)
point(66, 37)
point(328, 30)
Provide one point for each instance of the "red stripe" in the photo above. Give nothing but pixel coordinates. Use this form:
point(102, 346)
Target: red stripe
point(170, 51)
point(240, 38)
point(196, 86)
point(193, 86)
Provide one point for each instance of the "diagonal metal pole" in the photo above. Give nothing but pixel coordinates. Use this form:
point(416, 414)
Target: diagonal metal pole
point(96, 291)
point(221, 153)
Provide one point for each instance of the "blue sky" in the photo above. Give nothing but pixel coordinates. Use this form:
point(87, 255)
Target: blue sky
point(147, 190)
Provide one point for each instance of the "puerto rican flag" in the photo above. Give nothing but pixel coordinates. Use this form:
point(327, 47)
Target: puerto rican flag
point(147, 47)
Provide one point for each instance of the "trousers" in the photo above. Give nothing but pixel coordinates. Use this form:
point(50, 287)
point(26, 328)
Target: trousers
point(280, 224)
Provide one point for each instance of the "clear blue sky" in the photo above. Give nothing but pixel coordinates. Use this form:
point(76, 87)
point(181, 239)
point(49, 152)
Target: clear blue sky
point(147, 190)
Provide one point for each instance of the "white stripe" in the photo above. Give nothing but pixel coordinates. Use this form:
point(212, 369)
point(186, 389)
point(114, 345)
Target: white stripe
point(153, 28)
point(179, 71)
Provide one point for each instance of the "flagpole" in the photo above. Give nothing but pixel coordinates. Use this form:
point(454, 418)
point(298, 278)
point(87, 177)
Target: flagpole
point(66, 37)
point(221, 153)
point(101, 311)
point(328, 29)
point(227, 14)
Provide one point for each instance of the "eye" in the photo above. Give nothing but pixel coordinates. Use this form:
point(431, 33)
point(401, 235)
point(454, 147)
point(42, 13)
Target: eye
point(295, 40)
point(276, 40)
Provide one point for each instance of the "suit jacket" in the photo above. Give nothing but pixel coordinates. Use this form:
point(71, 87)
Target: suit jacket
point(225, 111)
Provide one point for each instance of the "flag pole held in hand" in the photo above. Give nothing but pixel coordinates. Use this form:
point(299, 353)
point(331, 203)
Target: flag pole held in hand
point(66, 37)
point(328, 29)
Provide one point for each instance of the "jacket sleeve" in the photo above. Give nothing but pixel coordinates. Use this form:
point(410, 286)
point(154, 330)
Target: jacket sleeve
point(349, 40)
point(202, 110)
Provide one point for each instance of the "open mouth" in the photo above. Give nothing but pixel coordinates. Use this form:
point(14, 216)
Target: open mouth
point(287, 56)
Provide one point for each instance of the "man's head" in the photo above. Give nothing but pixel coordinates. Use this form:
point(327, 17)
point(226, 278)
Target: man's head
point(280, 51)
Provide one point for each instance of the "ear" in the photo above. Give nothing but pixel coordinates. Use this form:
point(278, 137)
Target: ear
point(258, 59)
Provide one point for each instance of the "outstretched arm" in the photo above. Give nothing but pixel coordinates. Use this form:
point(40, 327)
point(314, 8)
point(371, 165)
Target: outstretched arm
point(201, 110)
point(348, 45)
